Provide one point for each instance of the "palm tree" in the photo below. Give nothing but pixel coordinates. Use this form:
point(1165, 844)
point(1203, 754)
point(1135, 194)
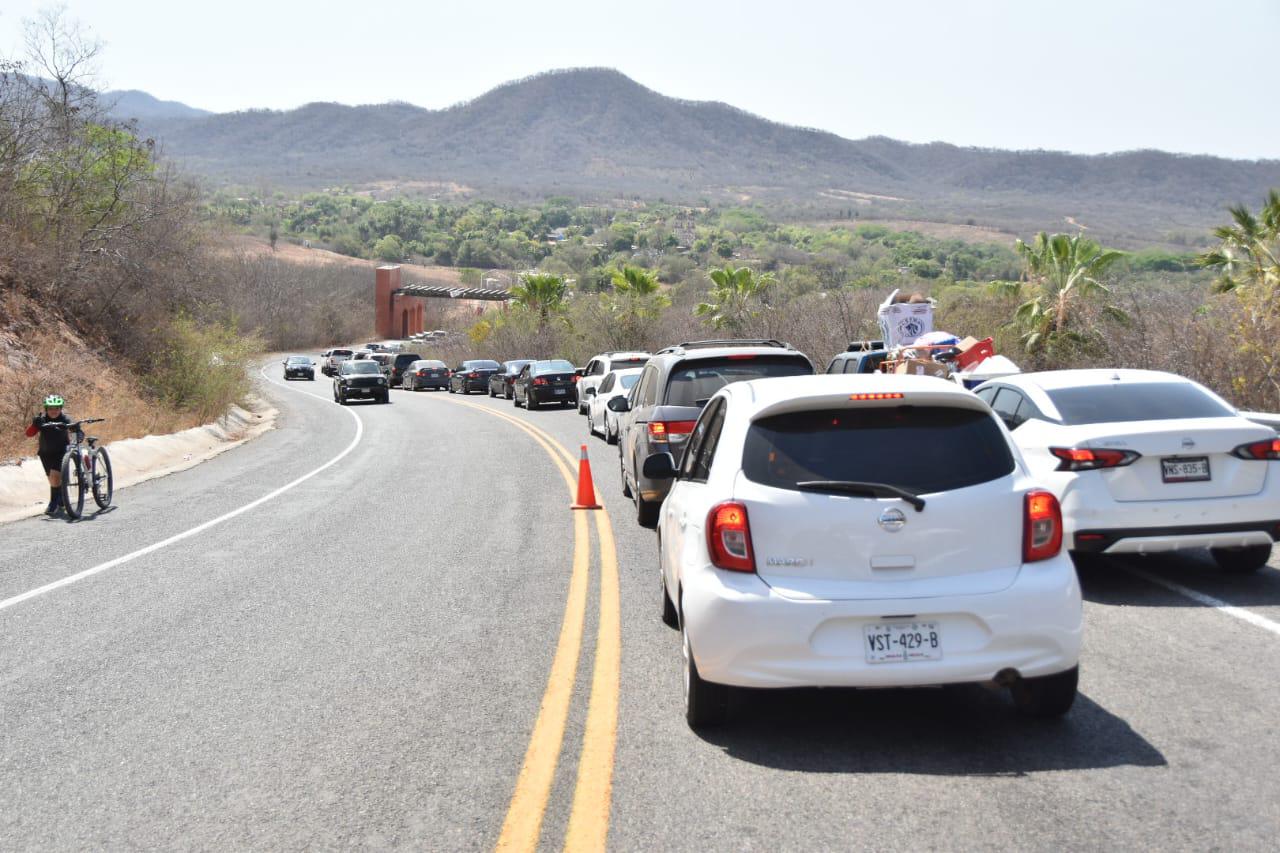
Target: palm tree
point(736, 297)
point(635, 281)
point(1248, 253)
point(1061, 272)
point(543, 293)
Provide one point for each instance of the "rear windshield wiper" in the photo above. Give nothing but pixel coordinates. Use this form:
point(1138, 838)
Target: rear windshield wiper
point(855, 487)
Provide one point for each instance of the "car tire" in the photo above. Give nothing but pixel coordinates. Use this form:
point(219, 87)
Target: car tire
point(705, 704)
point(610, 437)
point(646, 512)
point(1241, 560)
point(670, 616)
point(509, 394)
point(530, 404)
point(1046, 696)
point(450, 387)
point(342, 399)
point(622, 475)
point(591, 429)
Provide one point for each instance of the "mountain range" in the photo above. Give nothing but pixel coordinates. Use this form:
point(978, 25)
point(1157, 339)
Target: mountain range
point(595, 133)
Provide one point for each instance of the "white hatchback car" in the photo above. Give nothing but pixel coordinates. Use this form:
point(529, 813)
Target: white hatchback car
point(600, 367)
point(863, 531)
point(1145, 462)
point(600, 419)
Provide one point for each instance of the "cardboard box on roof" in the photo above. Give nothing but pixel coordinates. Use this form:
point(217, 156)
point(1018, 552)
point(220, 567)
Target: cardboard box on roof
point(902, 322)
point(922, 367)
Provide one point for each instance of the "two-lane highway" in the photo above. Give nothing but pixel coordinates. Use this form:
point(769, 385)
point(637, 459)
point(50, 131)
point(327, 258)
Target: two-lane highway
point(419, 647)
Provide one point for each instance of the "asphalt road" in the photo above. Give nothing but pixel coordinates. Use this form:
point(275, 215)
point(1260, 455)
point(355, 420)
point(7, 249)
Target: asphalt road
point(393, 651)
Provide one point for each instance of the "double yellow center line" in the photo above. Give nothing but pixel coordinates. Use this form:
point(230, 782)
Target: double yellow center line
point(589, 818)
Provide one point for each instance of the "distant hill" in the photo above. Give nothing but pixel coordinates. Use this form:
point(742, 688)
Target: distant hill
point(132, 104)
point(595, 132)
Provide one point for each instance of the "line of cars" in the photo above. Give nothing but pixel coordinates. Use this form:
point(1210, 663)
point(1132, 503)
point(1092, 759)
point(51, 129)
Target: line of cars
point(864, 529)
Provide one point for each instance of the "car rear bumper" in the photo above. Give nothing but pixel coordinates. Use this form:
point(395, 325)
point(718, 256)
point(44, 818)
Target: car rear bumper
point(1152, 540)
point(744, 634)
point(1096, 523)
point(548, 395)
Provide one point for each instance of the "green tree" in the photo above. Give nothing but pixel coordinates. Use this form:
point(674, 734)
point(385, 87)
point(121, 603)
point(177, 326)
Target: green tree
point(1060, 272)
point(1248, 256)
point(737, 296)
point(543, 294)
point(636, 302)
point(389, 248)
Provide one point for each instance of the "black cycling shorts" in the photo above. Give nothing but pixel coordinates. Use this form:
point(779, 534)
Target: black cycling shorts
point(50, 462)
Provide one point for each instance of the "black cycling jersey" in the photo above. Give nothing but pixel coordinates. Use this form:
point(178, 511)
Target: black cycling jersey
point(53, 440)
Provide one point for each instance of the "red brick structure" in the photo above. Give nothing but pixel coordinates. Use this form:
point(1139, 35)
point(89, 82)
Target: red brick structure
point(395, 316)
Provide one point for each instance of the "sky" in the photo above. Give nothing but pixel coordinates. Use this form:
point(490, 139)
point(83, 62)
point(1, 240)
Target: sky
point(1086, 76)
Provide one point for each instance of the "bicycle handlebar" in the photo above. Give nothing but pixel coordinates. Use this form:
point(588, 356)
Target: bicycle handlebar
point(76, 424)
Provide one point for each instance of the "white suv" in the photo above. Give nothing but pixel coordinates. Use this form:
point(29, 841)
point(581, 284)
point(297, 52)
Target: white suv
point(863, 531)
point(599, 367)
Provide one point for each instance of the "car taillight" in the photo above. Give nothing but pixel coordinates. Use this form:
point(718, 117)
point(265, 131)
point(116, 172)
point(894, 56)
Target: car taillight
point(473, 375)
point(1089, 459)
point(670, 430)
point(539, 381)
point(576, 378)
point(1269, 449)
point(1042, 527)
point(422, 373)
point(729, 538)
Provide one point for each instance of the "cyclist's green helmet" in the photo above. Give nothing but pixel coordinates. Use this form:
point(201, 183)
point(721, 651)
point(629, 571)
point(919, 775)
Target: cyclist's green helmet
point(53, 400)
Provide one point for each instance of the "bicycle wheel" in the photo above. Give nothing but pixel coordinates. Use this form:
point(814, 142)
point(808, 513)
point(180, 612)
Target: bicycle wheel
point(72, 485)
point(103, 482)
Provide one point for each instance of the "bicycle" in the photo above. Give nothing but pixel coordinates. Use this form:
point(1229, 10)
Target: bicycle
point(83, 457)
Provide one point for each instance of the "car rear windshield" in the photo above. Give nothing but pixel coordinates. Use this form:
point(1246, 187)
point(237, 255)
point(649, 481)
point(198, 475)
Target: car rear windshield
point(341, 352)
point(558, 366)
point(516, 366)
point(361, 367)
point(407, 358)
point(482, 365)
point(624, 363)
point(1117, 402)
point(628, 381)
point(694, 382)
point(428, 364)
point(922, 449)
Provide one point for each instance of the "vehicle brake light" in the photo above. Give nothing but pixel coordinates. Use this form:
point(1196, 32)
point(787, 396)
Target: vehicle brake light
point(1042, 527)
point(729, 538)
point(741, 357)
point(875, 396)
point(539, 381)
point(422, 373)
point(670, 430)
point(1089, 459)
point(1268, 449)
point(473, 375)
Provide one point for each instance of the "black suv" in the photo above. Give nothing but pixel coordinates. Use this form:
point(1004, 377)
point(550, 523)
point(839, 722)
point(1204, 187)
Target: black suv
point(473, 376)
point(399, 363)
point(360, 380)
point(662, 408)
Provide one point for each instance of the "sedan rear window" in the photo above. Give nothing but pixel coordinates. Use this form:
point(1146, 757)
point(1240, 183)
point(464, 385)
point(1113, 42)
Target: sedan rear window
point(1117, 402)
point(624, 363)
point(695, 382)
point(557, 366)
point(481, 364)
point(922, 449)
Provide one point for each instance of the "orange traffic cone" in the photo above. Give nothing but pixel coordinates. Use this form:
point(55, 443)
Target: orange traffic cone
point(586, 489)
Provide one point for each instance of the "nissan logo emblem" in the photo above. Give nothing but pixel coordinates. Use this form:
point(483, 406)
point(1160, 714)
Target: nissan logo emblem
point(892, 520)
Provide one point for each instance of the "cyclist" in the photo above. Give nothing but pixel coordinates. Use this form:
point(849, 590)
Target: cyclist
point(53, 444)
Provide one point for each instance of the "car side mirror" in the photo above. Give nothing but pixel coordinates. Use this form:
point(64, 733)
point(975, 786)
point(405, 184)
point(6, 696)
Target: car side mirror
point(619, 404)
point(591, 392)
point(660, 466)
point(581, 371)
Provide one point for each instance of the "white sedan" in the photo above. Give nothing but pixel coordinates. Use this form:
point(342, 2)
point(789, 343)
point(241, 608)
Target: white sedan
point(600, 419)
point(862, 531)
point(1146, 462)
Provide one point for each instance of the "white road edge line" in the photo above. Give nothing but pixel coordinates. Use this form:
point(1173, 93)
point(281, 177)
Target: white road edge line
point(1208, 600)
point(187, 534)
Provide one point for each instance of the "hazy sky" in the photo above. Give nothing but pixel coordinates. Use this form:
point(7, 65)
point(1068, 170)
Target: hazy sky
point(1087, 76)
